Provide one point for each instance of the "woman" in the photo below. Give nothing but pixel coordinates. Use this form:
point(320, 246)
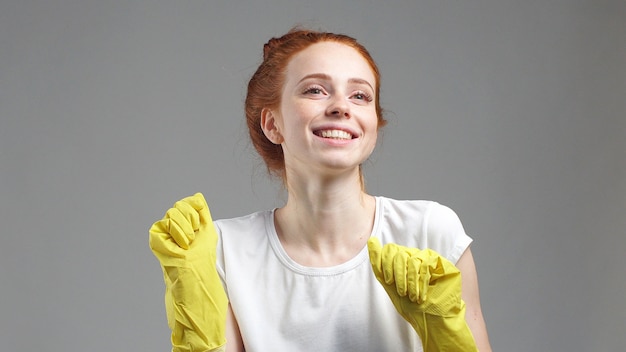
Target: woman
point(312, 274)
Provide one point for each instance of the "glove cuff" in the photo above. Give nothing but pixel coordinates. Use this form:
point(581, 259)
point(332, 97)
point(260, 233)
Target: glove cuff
point(440, 334)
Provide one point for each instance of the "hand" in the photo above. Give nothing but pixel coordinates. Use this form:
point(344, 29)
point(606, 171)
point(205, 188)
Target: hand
point(184, 242)
point(425, 288)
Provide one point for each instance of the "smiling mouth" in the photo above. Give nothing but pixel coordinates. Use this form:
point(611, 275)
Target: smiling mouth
point(334, 134)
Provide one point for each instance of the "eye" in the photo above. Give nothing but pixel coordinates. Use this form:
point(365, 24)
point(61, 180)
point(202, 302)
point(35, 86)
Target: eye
point(360, 95)
point(314, 90)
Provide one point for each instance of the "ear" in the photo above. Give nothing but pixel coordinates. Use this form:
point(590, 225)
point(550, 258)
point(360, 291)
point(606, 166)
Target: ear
point(270, 127)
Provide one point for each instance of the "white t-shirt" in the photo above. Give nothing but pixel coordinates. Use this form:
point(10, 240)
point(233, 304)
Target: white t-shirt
point(281, 305)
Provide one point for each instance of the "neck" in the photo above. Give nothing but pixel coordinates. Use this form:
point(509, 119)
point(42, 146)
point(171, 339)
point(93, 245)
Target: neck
point(325, 221)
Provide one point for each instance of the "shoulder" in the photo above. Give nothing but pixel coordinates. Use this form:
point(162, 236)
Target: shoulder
point(423, 224)
point(399, 207)
point(243, 222)
point(240, 236)
point(409, 214)
point(244, 225)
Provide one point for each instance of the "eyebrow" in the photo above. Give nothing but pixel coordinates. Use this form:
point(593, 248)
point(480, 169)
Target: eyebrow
point(328, 78)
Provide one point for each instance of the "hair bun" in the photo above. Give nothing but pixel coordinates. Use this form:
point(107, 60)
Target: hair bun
point(280, 41)
point(269, 46)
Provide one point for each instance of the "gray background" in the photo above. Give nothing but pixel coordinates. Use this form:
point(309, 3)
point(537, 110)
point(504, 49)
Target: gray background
point(513, 113)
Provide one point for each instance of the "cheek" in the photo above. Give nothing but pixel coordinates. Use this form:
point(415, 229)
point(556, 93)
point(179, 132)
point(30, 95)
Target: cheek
point(300, 113)
point(373, 122)
point(374, 139)
point(306, 108)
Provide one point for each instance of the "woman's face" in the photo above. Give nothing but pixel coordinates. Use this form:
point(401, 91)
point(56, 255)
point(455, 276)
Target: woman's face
point(327, 119)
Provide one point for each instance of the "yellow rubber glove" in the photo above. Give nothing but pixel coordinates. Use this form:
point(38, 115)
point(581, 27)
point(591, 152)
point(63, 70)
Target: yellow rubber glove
point(425, 288)
point(184, 242)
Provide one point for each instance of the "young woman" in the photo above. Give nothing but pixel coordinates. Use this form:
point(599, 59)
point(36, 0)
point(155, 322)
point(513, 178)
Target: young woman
point(312, 274)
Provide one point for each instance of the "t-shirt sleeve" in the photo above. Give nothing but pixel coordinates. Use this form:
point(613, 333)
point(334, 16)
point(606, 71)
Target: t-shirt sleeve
point(219, 265)
point(445, 232)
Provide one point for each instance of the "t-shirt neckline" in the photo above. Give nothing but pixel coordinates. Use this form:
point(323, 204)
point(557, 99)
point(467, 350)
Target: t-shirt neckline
point(339, 269)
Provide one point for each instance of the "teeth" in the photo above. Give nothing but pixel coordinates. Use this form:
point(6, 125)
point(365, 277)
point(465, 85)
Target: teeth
point(337, 134)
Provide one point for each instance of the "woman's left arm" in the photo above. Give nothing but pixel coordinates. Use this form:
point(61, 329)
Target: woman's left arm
point(470, 294)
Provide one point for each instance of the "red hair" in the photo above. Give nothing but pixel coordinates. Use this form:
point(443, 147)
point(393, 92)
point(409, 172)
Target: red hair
point(265, 86)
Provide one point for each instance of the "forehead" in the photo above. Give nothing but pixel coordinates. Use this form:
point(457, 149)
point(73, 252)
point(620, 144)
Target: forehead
point(336, 60)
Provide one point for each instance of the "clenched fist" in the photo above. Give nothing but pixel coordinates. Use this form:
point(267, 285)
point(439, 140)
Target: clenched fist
point(184, 241)
point(425, 288)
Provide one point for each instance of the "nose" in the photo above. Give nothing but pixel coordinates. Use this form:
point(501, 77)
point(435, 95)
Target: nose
point(339, 107)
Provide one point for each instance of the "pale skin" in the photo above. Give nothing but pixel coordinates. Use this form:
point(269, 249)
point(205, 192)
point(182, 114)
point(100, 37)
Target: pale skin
point(330, 87)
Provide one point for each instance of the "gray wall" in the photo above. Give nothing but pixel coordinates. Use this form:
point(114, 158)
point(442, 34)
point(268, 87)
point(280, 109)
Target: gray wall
point(511, 112)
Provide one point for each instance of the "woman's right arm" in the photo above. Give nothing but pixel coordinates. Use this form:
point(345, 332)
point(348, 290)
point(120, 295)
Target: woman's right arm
point(234, 343)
